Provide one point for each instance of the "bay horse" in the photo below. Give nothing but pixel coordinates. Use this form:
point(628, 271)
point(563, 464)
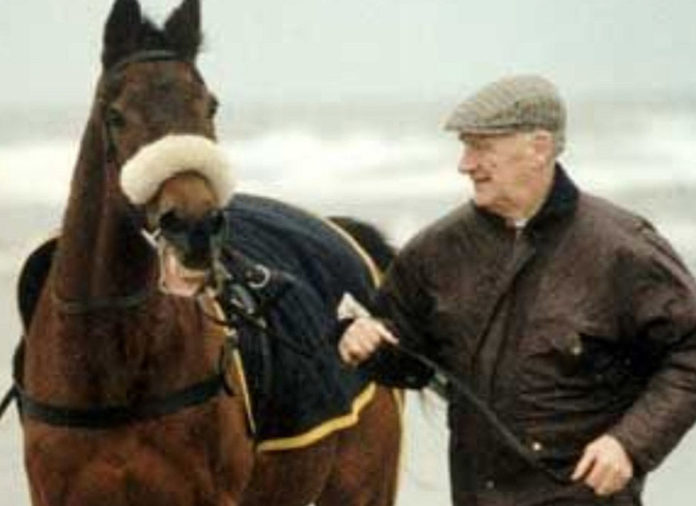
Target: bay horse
point(130, 393)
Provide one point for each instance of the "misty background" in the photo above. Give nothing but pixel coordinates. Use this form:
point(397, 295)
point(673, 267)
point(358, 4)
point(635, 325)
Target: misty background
point(330, 51)
point(338, 106)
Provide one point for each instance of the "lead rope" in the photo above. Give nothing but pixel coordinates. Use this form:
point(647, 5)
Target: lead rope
point(236, 297)
point(491, 417)
point(352, 309)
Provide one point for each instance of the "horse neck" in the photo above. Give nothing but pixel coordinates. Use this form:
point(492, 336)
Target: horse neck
point(101, 251)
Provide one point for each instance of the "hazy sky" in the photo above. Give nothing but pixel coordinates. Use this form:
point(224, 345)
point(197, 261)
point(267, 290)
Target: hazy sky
point(275, 50)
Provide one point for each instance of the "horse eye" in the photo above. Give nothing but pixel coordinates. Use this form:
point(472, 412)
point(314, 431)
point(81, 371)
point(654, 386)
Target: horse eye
point(114, 118)
point(213, 106)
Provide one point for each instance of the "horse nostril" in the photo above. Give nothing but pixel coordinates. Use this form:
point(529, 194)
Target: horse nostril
point(196, 242)
point(171, 223)
point(216, 222)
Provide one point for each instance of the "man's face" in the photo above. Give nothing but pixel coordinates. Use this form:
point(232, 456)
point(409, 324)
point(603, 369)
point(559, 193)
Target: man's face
point(505, 169)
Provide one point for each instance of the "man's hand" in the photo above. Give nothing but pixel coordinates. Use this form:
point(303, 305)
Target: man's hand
point(363, 337)
point(605, 466)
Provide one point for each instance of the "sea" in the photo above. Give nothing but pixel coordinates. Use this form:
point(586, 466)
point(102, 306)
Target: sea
point(389, 163)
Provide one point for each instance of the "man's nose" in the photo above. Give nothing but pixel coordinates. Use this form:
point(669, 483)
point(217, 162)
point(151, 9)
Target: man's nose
point(467, 162)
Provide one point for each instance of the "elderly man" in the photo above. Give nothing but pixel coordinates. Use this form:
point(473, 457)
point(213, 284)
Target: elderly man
point(573, 319)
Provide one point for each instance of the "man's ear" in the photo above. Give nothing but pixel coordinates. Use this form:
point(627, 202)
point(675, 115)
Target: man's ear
point(543, 144)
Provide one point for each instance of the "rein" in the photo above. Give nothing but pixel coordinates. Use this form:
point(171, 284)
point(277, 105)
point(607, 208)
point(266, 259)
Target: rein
point(445, 377)
point(259, 324)
point(107, 417)
point(243, 302)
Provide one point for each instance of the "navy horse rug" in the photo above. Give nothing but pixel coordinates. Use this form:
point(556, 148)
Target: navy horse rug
point(291, 269)
point(288, 271)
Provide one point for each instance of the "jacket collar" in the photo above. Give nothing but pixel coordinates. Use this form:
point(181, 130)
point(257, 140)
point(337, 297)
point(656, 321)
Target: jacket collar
point(561, 201)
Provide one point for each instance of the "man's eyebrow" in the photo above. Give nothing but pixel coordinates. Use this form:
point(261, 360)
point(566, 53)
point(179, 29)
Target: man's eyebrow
point(474, 141)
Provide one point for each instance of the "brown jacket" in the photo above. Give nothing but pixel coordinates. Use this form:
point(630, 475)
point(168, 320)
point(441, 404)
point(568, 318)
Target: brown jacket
point(583, 323)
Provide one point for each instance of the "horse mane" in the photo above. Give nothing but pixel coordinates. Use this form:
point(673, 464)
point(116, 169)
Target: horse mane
point(127, 31)
point(370, 238)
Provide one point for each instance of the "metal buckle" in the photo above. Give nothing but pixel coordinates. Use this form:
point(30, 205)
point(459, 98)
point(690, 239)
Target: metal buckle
point(265, 277)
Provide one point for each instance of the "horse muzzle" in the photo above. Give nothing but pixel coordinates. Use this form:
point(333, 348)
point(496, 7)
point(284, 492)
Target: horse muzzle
point(189, 252)
point(188, 238)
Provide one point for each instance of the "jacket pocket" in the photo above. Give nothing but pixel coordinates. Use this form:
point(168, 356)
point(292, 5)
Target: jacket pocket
point(570, 358)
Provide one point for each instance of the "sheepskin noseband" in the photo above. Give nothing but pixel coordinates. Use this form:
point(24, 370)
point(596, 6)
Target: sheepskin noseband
point(153, 164)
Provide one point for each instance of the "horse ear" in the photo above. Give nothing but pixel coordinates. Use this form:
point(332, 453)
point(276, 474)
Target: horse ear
point(183, 29)
point(121, 31)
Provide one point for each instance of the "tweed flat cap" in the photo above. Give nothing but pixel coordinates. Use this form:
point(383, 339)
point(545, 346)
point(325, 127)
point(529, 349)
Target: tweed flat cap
point(514, 103)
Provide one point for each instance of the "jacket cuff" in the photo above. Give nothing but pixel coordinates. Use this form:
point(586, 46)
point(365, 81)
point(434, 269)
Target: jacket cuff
point(641, 458)
point(393, 369)
point(338, 328)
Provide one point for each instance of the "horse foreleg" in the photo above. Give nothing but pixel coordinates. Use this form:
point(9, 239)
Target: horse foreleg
point(365, 471)
point(291, 477)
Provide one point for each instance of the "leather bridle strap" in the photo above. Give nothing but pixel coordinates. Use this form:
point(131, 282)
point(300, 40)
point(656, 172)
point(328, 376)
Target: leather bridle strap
point(107, 417)
point(151, 55)
point(77, 307)
point(143, 56)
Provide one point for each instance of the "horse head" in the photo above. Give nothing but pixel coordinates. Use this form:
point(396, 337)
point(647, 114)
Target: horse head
point(158, 126)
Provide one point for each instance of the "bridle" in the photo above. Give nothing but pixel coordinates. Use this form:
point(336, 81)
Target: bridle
point(110, 416)
point(135, 299)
